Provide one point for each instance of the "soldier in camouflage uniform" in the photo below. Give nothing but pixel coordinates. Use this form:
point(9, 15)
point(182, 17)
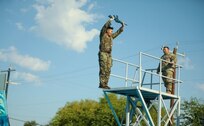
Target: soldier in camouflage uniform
point(167, 68)
point(105, 49)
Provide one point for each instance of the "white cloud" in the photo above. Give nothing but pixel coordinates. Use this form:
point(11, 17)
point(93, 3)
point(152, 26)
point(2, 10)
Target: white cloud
point(91, 6)
point(63, 22)
point(20, 26)
point(25, 77)
point(200, 86)
point(24, 10)
point(186, 62)
point(32, 63)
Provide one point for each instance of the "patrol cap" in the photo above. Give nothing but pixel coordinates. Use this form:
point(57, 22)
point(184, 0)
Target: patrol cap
point(164, 47)
point(109, 27)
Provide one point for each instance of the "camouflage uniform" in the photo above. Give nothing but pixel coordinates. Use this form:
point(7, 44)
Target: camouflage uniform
point(168, 70)
point(105, 49)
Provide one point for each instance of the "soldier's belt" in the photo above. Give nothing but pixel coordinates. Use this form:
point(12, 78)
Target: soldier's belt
point(169, 69)
point(109, 52)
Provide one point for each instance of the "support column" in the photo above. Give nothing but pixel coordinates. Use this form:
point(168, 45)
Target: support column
point(159, 110)
point(127, 112)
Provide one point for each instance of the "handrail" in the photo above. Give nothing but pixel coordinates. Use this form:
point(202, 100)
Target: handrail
point(126, 78)
point(159, 59)
point(138, 70)
point(179, 81)
point(121, 61)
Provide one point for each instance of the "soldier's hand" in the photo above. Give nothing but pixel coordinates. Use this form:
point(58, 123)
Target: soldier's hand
point(158, 71)
point(171, 63)
point(117, 19)
point(111, 17)
point(123, 23)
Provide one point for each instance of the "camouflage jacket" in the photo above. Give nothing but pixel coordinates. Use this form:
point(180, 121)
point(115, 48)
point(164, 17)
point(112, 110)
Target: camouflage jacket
point(169, 63)
point(105, 40)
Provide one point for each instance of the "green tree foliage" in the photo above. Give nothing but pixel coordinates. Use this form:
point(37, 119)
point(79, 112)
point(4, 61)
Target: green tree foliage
point(89, 113)
point(76, 113)
point(93, 113)
point(154, 113)
point(106, 117)
point(192, 113)
point(30, 123)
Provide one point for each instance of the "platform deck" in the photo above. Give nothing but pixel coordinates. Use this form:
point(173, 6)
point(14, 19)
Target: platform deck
point(148, 94)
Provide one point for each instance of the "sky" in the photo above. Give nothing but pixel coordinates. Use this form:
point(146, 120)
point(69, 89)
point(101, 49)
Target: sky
point(53, 46)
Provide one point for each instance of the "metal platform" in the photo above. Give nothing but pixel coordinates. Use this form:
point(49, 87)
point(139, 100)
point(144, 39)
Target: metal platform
point(148, 97)
point(148, 94)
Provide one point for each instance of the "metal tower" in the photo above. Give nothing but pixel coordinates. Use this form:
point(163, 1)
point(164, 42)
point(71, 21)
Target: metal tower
point(144, 90)
point(3, 103)
point(4, 83)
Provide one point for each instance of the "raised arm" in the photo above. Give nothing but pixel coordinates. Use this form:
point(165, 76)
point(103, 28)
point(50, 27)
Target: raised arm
point(114, 35)
point(104, 28)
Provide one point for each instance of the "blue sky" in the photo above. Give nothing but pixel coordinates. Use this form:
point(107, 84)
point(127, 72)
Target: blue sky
point(53, 46)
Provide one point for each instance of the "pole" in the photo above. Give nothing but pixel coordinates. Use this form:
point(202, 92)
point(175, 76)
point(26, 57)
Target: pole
point(6, 90)
point(8, 78)
point(173, 87)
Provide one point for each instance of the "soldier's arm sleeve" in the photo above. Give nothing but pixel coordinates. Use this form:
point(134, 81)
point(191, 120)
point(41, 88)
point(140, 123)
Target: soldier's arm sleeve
point(158, 68)
point(104, 28)
point(173, 60)
point(114, 35)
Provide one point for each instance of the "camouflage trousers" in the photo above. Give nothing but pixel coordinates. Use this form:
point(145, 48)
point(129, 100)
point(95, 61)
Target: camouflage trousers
point(105, 64)
point(168, 82)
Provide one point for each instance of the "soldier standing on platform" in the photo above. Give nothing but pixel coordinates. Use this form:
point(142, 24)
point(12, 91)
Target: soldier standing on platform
point(167, 68)
point(105, 49)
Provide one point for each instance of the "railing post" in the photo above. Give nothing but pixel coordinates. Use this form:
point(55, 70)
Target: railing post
point(178, 81)
point(159, 111)
point(179, 104)
point(159, 98)
point(160, 75)
point(126, 75)
point(140, 70)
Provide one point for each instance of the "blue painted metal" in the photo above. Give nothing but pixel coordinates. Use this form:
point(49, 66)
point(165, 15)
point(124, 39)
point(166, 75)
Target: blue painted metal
point(131, 91)
point(133, 104)
point(138, 94)
point(146, 96)
point(4, 121)
point(145, 107)
point(112, 109)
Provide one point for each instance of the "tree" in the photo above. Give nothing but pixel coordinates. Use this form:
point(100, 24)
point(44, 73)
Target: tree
point(30, 123)
point(192, 113)
point(105, 114)
point(76, 113)
point(93, 113)
point(88, 113)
